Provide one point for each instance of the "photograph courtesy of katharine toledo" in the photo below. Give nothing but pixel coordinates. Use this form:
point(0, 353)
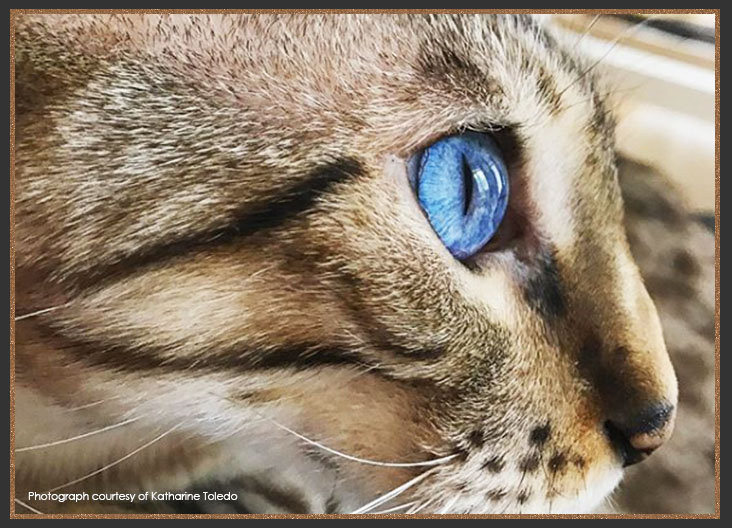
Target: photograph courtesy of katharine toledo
point(290, 264)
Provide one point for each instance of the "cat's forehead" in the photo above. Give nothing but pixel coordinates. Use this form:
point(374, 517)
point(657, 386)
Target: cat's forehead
point(405, 77)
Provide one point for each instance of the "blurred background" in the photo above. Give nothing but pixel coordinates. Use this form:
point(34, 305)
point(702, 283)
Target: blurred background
point(660, 73)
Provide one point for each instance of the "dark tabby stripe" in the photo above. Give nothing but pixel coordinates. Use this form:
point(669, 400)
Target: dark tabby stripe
point(377, 333)
point(544, 290)
point(114, 356)
point(549, 91)
point(256, 218)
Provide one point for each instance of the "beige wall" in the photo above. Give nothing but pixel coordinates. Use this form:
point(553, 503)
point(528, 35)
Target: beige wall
point(664, 91)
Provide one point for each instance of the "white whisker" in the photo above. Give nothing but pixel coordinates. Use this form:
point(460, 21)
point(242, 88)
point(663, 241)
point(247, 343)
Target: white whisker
point(420, 507)
point(393, 493)
point(434, 462)
point(27, 507)
point(116, 462)
point(587, 30)
point(627, 32)
point(85, 406)
point(77, 437)
point(40, 312)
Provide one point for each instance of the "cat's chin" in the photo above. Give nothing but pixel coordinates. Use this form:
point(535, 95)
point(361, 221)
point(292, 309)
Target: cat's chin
point(590, 498)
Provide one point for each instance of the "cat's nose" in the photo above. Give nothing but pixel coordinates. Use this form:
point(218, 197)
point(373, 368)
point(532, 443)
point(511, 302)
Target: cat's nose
point(637, 435)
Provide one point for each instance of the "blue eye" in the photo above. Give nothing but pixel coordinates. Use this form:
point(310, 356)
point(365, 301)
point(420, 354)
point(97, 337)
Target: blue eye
point(462, 185)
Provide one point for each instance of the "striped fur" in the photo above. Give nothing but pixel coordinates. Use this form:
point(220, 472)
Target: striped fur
point(217, 209)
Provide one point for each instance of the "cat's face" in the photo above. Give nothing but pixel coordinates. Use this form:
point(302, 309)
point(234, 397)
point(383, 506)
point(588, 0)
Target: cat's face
point(219, 210)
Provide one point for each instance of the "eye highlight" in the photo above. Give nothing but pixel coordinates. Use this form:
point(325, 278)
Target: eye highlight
point(461, 183)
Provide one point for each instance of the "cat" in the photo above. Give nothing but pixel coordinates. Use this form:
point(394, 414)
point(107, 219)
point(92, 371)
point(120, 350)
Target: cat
point(333, 263)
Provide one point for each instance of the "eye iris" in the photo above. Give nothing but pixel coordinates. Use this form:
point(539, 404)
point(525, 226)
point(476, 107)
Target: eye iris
point(462, 185)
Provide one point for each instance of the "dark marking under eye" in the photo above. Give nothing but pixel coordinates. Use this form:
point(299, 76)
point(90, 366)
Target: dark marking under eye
point(254, 218)
point(544, 290)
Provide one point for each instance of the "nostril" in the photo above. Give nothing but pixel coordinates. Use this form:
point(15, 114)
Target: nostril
point(629, 454)
point(637, 438)
point(651, 429)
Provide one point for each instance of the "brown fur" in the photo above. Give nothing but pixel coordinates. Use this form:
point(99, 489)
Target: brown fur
point(217, 207)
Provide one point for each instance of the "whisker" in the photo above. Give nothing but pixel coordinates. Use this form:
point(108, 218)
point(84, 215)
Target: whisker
point(40, 312)
point(27, 507)
point(85, 406)
point(420, 507)
point(605, 95)
point(118, 461)
point(434, 462)
point(394, 493)
point(587, 30)
point(627, 32)
point(77, 437)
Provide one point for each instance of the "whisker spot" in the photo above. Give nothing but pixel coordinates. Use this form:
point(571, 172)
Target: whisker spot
point(523, 496)
point(529, 464)
point(494, 464)
point(540, 435)
point(558, 462)
point(495, 495)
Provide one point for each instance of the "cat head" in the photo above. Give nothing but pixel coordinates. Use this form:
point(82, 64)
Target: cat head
point(221, 212)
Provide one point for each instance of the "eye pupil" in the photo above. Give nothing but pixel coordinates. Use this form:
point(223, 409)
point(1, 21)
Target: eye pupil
point(462, 186)
point(467, 184)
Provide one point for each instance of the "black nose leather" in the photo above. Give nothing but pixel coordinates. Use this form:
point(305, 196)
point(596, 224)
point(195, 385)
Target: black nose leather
point(637, 437)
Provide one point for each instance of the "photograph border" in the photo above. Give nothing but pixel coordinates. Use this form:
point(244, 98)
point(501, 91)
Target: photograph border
point(16, 515)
